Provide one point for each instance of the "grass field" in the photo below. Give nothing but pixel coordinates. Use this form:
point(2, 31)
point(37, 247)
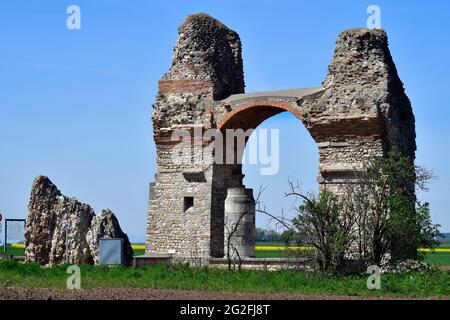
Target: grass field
point(445, 244)
point(435, 258)
point(13, 250)
point(263, 250)
point(434, 284)
point(18, 250)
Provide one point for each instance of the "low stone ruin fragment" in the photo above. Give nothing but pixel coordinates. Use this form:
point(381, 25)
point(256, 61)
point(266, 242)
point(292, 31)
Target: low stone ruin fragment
point(106, 225)
point(45, 233)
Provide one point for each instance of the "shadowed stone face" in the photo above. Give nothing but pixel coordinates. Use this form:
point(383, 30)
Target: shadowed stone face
point(360, 112)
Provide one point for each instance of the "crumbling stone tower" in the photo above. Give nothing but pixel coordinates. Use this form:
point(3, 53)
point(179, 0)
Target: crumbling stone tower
point(360, 111)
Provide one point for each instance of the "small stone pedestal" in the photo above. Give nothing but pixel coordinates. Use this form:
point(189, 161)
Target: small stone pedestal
point(240, 229)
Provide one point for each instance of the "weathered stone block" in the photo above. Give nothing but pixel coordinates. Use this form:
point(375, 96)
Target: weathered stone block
point(50, 213)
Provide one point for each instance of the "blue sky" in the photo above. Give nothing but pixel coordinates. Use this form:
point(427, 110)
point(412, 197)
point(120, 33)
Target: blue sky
point(75, 104)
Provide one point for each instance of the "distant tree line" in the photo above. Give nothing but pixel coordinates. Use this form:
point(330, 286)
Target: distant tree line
point(263, 235)
point(444, 237)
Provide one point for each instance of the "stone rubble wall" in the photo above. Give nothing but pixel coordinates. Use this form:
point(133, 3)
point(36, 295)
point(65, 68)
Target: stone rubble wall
point(206, 66)
point(363, 97)
point(45, 232)
point(106, 226)
point(174, 230)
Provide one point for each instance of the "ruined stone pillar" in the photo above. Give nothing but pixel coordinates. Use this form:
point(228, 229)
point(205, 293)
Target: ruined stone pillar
point(206, 66)
point(240, 228)
point(363, 112)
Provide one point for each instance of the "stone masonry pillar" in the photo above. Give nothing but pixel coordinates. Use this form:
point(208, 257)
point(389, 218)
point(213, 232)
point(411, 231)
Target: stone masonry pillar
point(206, 66)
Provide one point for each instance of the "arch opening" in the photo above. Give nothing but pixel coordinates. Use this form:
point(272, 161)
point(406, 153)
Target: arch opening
point(276, 136)
point(298, 161)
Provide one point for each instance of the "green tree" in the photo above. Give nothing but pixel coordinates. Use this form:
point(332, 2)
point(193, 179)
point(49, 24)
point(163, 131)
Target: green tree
point(394, 224)
point(325, 224)
point(376, 219)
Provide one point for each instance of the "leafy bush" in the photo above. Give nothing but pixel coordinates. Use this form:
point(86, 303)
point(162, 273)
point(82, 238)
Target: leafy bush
point(374, 220)
point(323, 224)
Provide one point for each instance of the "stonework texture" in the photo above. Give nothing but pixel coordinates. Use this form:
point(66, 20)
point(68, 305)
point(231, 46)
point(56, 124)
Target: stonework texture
point(106, 226)
point(45, 232)
point(360, 111)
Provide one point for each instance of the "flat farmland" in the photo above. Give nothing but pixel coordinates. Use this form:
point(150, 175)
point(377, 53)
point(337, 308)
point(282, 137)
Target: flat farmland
point(441, 257)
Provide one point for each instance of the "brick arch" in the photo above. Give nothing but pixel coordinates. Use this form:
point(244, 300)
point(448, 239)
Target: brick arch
point(250, 114)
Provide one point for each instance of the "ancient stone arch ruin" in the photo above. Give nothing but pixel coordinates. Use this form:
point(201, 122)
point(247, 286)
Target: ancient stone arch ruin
point(360, 111)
